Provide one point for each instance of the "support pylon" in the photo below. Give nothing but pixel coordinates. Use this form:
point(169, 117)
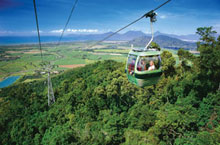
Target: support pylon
point(51, 98)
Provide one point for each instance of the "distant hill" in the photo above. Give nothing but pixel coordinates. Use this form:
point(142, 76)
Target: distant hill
point(163, 41)
point(117, 37)
point(189, 37)
point(130, 35)
point(136, 37)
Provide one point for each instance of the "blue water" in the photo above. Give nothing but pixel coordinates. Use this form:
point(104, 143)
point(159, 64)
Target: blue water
point(8, 81)
point(7, 40)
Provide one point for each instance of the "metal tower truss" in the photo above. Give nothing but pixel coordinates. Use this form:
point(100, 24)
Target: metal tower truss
point(51, 97)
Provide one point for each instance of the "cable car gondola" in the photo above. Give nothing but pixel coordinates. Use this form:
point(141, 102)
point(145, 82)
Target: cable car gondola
point(143, 66)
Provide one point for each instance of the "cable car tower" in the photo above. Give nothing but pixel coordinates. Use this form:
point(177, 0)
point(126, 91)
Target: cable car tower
point(51, 98)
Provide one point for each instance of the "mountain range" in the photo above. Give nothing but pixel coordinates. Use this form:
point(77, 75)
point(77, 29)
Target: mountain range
point(188, 38)
point(131, 37)
point(138, 38)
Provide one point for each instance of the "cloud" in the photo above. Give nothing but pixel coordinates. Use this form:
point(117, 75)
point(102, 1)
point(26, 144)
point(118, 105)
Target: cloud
point(48, 33)
point(76, 31)
point(57, 31)
point(166, 15)
point(35, 31)
point(83, 30)
point(163, 16)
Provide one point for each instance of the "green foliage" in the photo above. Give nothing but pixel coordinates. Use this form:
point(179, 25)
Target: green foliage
point(206, 34)
point(185, 55)
point(155, 45)
point(141, 117)
point(168, 62)
point(187, 60)
point(97, 105)
point(209, 57)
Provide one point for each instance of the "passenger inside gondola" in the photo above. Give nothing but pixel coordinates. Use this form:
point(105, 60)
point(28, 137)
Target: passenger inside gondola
point(131, 67)
point(152, 66)
point(141, 66)
point(148, 63)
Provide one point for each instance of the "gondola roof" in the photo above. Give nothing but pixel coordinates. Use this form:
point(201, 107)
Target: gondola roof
point(141, 52)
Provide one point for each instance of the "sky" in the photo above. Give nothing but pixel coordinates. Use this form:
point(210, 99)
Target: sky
point(179, 17)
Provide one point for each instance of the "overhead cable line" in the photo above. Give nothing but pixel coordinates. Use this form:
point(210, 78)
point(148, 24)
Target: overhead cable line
point(71, 13)
point(148, 14)
point(38, 31)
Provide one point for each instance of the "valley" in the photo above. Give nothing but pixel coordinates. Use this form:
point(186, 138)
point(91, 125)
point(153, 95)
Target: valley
point(25, 60)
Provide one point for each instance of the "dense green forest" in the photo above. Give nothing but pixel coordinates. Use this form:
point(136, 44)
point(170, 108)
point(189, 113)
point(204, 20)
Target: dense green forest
point(97, 105)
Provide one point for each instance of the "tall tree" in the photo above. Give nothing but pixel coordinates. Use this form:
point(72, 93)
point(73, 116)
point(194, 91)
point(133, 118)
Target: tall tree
point(209, 57)
point(206, 35)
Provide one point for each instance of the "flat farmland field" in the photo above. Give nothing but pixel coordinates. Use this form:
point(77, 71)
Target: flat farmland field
point(26, 59)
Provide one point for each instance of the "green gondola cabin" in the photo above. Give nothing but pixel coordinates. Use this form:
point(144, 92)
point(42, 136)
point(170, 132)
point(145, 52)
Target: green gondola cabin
point(143, 67)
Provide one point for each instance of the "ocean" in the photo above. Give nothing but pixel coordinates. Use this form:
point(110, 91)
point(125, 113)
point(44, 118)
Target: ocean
point(10, 40)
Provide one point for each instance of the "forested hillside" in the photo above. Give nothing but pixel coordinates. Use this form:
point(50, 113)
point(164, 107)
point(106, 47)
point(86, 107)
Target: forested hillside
point(97, 105)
